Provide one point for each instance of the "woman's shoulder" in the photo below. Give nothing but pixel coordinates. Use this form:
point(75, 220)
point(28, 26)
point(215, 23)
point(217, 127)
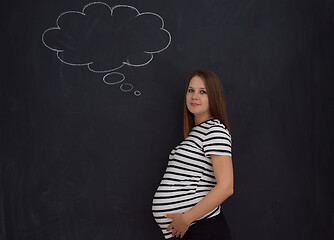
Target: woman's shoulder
point(216, 125)
point(209, 125)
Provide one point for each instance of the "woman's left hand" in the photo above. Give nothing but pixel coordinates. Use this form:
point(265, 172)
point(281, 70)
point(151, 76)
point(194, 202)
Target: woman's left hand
point(179, 224)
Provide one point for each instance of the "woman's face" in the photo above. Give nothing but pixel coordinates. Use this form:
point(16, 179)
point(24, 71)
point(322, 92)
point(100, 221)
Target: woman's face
point(197, 99)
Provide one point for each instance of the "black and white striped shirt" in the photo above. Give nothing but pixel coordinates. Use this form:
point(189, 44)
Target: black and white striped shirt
point(189, 175)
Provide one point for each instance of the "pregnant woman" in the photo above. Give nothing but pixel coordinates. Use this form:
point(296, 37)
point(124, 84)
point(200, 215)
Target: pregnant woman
point(199, 175)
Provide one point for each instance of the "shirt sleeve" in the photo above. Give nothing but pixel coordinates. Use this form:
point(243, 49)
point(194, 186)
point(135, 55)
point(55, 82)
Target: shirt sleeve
point(217, 141)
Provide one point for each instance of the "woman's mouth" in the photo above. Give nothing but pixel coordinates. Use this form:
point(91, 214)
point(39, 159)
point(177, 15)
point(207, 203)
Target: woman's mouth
point(194, 104)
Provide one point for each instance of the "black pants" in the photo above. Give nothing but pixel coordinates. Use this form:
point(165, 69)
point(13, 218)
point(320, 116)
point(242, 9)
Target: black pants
point(214, 228)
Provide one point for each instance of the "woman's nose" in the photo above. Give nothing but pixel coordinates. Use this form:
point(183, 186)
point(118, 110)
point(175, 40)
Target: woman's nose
point(195, 96)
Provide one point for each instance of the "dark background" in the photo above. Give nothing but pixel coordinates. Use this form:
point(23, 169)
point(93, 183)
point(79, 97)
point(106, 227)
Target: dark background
point(81, 159)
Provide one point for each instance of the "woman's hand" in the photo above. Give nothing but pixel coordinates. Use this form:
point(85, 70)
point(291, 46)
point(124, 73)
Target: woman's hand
point(179, 224)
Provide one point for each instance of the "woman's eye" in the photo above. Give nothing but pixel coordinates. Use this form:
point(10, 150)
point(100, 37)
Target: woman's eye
point(190, 90)
point(203, 92)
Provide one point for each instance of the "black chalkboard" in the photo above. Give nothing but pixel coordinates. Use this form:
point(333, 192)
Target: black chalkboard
point(92, 101)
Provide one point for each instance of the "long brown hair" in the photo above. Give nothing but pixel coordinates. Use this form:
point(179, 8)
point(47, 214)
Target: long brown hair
point(216, 98)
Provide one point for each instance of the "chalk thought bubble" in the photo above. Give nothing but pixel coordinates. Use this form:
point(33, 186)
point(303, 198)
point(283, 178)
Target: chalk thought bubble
point(105, 39)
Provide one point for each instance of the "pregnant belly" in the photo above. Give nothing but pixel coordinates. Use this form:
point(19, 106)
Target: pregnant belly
point(175, 199)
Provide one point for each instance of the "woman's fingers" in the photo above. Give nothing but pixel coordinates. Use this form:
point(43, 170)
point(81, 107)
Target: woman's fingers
point(176, 223)
point(170, 226)
point(171, 215)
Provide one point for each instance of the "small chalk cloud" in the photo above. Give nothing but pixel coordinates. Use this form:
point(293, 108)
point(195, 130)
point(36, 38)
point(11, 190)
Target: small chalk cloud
point(105, 39)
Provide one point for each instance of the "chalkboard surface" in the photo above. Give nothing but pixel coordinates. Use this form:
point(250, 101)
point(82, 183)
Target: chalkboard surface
point(92, 101)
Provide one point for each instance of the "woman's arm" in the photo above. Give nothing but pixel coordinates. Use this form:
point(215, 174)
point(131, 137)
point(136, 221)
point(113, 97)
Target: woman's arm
point(223, 170)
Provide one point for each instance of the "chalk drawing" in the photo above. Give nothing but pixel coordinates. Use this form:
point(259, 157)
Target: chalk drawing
point(105, 39)
point(137, 93)
point(126, 87)
point(113, 78)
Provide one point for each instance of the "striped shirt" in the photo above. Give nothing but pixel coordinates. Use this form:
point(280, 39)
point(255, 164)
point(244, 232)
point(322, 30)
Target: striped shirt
point(189, 175)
